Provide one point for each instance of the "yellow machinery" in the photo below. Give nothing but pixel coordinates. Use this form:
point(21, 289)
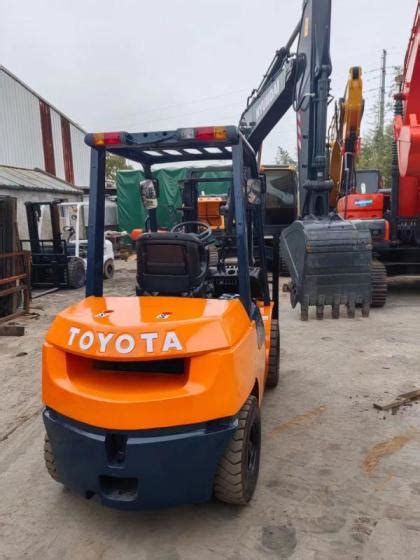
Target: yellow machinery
point(344, 136)
point(209, 210)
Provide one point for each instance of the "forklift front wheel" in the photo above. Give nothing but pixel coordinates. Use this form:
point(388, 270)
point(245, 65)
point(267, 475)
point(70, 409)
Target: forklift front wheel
point(237, 474)
point(274, 356)
point(109, 269)
point(283, 268)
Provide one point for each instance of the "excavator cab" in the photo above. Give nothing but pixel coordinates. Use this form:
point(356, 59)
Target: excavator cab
point(153, 400)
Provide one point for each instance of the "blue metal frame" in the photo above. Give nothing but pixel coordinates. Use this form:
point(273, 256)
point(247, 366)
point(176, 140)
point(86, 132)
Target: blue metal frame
point(241, 226)
point(135, 146)
point(95, 252)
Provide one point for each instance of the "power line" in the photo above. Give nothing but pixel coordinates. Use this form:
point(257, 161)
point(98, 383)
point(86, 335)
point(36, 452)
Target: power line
point(182, 103)
point(207, 109)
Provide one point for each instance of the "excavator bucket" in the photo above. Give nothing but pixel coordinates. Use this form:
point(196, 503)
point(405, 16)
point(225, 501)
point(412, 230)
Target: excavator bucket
point(329, 261)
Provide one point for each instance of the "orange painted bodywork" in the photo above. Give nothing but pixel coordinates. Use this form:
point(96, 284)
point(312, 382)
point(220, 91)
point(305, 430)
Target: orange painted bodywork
point(361, 206)
point(219, 344)
point(136, 232)
point(209, 210)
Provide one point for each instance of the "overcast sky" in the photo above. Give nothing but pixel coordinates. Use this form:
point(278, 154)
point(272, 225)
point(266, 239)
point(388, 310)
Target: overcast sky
point(142, 65)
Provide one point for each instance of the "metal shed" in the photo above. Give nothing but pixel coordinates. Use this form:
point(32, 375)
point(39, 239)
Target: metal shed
point(39, 135)
point(34, 185)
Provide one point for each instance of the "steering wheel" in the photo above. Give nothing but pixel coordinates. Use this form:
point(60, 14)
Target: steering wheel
point(203, 235)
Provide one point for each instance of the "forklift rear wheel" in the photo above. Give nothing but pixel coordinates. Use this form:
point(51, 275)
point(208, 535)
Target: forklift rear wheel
point(50, 459)
point(283, 270)
point(109, 269)
point(237, 474)
point(379, 284)
point(77, 272)
point(274, 355)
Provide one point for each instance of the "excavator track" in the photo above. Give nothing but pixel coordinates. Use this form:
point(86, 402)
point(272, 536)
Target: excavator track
point(379, 284)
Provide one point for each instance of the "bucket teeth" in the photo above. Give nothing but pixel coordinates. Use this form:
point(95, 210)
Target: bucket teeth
point(336, 308)
point(365, 309)
point(351, 309)
point(320, 307)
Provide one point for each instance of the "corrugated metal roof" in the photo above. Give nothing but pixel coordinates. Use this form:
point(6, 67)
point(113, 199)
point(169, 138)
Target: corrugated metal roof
point(34, 180)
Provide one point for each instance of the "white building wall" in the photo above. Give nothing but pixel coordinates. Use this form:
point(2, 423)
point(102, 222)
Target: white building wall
point(58, 144)
point(20, 125)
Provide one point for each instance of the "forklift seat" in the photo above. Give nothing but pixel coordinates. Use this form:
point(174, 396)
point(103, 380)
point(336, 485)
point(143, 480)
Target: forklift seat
point(171, 263)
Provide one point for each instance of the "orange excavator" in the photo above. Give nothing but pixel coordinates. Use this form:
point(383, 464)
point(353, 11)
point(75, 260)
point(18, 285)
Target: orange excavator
point(349, 184)
point(344, 137)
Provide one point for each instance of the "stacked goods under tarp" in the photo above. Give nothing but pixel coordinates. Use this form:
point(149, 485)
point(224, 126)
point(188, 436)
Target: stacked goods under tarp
point(131, 213)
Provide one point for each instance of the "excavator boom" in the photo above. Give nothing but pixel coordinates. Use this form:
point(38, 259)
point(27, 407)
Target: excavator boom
point(328, 258)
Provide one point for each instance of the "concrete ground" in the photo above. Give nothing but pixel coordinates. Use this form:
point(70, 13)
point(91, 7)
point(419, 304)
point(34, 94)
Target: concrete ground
point(338, 480)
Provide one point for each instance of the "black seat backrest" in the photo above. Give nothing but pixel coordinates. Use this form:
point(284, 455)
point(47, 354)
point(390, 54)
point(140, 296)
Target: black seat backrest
point(170, 263)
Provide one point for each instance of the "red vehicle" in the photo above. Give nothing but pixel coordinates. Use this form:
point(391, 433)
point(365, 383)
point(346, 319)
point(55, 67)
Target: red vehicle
point(393, 215)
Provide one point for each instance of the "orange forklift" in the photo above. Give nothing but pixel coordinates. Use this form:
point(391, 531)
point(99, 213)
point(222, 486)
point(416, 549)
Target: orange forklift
point(154, 400)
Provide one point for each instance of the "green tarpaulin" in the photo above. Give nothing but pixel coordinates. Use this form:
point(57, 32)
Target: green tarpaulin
point(131, 213)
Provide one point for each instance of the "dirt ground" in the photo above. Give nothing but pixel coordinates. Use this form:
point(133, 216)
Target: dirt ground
point(338, 480)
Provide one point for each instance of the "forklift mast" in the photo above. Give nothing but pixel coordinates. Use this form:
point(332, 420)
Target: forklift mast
point(300, 80)
point(34, 215)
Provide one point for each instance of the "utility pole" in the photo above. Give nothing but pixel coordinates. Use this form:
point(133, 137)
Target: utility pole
point(382, 93)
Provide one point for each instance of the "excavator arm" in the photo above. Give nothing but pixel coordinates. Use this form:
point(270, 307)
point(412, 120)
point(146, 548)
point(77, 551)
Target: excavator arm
point(329, 259)
point(299, 80)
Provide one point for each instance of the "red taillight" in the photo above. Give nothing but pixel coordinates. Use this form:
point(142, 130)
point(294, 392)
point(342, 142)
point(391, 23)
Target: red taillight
point(204, 133)
point(107, 138)
point(211, 133)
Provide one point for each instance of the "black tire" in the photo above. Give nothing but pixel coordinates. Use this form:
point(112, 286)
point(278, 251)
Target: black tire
point(237, 473)
point(109, 269)
point(273, 356)
point(50, 460)
point(77, 272)
point(379, 284)
point(283, 270)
